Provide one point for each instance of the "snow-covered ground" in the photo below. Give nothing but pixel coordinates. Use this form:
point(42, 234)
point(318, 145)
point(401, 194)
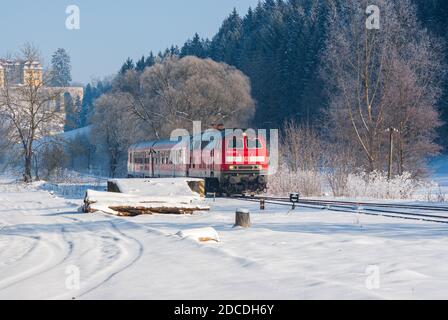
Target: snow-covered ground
point(303, 254)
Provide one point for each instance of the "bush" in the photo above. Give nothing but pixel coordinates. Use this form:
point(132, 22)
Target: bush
point(307, 183)
point(376, 185)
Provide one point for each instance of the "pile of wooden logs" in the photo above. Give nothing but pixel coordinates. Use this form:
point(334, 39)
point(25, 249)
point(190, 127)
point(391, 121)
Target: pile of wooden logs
point(132, 205)
point(131, 211)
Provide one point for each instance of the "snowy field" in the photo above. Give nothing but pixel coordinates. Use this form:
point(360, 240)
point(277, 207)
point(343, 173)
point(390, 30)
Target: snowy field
point(301, 254)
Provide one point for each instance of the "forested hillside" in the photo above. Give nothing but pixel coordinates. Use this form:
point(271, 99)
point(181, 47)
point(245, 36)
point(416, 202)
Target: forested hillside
point(278, 45)
point(311, 62)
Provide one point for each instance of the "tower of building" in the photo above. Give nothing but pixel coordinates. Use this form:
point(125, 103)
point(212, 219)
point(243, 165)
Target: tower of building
point(32, 73)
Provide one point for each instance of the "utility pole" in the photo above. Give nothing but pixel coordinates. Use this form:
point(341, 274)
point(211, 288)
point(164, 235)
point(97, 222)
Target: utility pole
point(391, 131)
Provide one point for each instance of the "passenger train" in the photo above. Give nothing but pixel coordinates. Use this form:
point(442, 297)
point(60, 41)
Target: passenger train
point(236, 163)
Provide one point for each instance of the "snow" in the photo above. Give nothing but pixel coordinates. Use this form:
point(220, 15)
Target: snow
point(176, 189)
point(73, 134)
point(300, 254)
point(200, 234)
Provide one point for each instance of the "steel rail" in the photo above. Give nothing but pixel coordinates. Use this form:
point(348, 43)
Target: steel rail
point(355, 207)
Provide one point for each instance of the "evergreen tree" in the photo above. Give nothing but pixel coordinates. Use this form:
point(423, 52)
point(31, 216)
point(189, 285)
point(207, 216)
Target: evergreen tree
point(91, 93)
point(195, 47)
point(128, 65)
point(174, 51)
point(71, 116)
point(86, 106)
point(150, 60)
point(61, 69)
point(225, 46)
point(78, 108)
point(141, 64)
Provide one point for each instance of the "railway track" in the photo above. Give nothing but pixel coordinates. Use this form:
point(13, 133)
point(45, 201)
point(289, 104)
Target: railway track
point(437, 214)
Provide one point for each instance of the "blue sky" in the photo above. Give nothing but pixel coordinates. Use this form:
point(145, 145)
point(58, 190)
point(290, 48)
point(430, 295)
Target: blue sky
point(110, 31)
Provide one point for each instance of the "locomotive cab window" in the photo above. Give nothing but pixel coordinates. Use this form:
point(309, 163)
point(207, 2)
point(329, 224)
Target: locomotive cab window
point(235, 143)
point(254, 144)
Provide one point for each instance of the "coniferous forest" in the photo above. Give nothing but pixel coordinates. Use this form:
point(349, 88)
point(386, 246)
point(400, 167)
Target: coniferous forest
point(297, 56)
point(278, 45)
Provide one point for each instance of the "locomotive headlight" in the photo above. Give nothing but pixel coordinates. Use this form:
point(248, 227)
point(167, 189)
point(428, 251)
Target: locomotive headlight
point(232, 167)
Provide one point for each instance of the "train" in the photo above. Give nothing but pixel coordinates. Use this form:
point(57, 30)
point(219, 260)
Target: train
point(236, 162)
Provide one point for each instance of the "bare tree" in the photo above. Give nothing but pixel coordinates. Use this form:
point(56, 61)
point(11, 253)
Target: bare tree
point(411, 111)
point(5, 136)
point(382, 78)
point(302, 147)
point(113, 131)
point(338, 164)
point(26, 108)
point(174, 92)
point(49, 156)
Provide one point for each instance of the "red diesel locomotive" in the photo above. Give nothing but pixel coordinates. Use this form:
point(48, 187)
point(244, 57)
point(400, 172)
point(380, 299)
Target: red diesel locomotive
point(234, 164)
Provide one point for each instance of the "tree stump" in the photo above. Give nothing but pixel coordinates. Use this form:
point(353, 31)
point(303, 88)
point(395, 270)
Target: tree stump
point(242, 218)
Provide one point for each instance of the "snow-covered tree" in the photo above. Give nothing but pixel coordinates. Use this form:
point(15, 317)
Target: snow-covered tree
point(383, 78)
point(26, 109)
point(174, 92)
point(61, 69)
point(112, 130)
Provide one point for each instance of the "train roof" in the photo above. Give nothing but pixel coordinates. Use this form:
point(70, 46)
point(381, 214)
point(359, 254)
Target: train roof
point(153, 144)
point(167, 143)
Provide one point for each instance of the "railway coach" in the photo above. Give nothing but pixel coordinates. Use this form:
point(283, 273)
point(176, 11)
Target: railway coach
point(236, 163)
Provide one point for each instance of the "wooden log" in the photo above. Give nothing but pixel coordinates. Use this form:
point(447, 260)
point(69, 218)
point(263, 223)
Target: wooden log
point(242, 218)
point(136, 210)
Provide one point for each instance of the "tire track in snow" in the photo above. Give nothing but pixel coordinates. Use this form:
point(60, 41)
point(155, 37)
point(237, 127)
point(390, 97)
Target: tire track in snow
point(52, 261)
point(130, 251)
point(17, 256)
point(70, 244)
point(246, 262)
point(133, 259)
point(34, 270)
